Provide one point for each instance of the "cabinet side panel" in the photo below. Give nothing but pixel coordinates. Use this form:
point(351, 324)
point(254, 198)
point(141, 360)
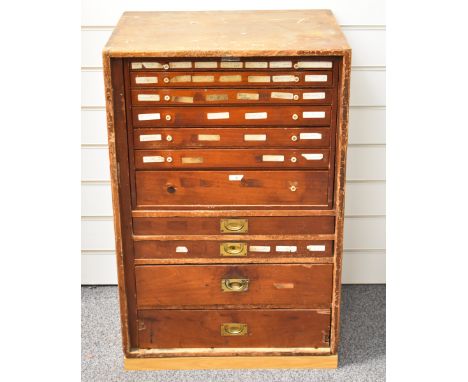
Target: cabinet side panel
point(118, 155)
point(340, 166)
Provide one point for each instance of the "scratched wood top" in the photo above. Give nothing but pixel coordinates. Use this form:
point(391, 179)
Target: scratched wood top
point(227, 33)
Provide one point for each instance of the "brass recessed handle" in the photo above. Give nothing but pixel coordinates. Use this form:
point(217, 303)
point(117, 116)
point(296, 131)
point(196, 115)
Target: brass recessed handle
point(233, 249)
point(234, 285)
point(234, 225)
point(234, 329)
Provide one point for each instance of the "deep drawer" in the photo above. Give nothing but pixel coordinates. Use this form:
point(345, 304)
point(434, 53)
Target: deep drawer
point(231, 137)
point(319, 78)
point(258, 225)
point(233, 328)
point(232, 188)
point(231, 116)
point(256, 249)
point(295, 285)
point(233, 158)
point(171, 97)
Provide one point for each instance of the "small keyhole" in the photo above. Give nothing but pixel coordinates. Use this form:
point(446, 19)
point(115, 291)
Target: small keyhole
point(171, 189)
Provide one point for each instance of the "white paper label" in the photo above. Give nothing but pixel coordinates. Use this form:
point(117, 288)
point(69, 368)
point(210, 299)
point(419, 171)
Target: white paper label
point(146, 65)
point(155, 159)
point(314, 64)
point(224, 115)
point(150, 137)
point(313, 156)
point(259, 248)
point(280, 64)
point(316, 78)
point(149, 117)
point(262, 115)
point(281, 95)
point(206, 64)
point(232, 65)
point(273, 158)
point(286, 248)
point(235, 177)
point(181, 249)
point(314, 95)
point(313, 114)
point(258, 78)
point(256, 65)
point(146, 80)
point(284, 78)
point(255, 137)
point(209, 137)
point(316, 248)
point(310, 136)
point(148, 97)
point(180, 65)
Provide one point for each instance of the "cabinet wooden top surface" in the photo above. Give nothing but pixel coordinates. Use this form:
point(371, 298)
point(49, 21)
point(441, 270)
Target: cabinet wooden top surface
point(227, 33)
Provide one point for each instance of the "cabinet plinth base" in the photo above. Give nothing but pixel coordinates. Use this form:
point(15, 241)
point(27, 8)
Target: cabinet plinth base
point(197, 363)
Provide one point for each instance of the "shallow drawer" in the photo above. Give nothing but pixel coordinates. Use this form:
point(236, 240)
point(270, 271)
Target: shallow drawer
point(152, 97)
point(231, 137)
point(237, 63)
point(319, 78)
point(233, 328)
point(231, 116)
point(235, 188)
point(257, 249)
point(232, 158)
point(296, 285)
point(258, 225)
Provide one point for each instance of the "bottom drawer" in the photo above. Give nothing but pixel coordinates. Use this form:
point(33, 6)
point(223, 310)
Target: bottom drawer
point(233, 328)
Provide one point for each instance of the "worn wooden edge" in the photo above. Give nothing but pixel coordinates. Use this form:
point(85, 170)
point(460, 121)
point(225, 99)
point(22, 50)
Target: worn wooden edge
point(237, 260)
point(115, 199)
point(215, 213)
point(240, 362)
point(342, 144)
point(321, 237)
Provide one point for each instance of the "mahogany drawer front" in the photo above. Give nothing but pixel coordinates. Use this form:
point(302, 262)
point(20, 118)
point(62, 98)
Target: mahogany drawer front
point(210, 328)
point(203, 64)
point(235, 188)
point(232, 158)
point(232, 116)
point(207, 97)
point(258, 225)
point(171, 138)
point(319, 78)
point(235, 249)
point(291, 285)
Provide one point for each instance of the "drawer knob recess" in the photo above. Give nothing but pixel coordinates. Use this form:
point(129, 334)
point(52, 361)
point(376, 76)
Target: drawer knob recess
point(234, 285)
point(169, 138)
point(234, 329)
point(171, 189)
point(166, 66)
point(234, 225)
point(295, 117)
point(166, 80)
point(233, 249)
point(167, 98)
point(294, 138)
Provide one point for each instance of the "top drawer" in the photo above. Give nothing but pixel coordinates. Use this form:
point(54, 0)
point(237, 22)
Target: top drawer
point(321, 78)
point(202, 64)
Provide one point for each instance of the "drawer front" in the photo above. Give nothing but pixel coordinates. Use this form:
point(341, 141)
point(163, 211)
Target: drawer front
point(231, 116)
point(236, 188)
point(319, 78)
point(258, 225)
point(237, 63)
point(234, 158)
point(218, 329)
point(153, 97)
point(295, 285)
point(231, 137)
point(231, 249)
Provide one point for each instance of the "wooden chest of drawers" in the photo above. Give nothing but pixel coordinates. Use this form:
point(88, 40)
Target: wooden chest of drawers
point(227, 141)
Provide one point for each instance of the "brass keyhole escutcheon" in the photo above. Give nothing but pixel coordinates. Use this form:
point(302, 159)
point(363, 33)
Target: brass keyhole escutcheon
point(234, 329)
point(234, 285)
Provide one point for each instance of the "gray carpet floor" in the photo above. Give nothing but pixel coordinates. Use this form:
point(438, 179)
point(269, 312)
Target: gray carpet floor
point(361, 353)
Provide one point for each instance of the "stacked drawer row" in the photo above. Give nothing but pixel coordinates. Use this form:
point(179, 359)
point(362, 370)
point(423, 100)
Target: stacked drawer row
point(237, 135)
